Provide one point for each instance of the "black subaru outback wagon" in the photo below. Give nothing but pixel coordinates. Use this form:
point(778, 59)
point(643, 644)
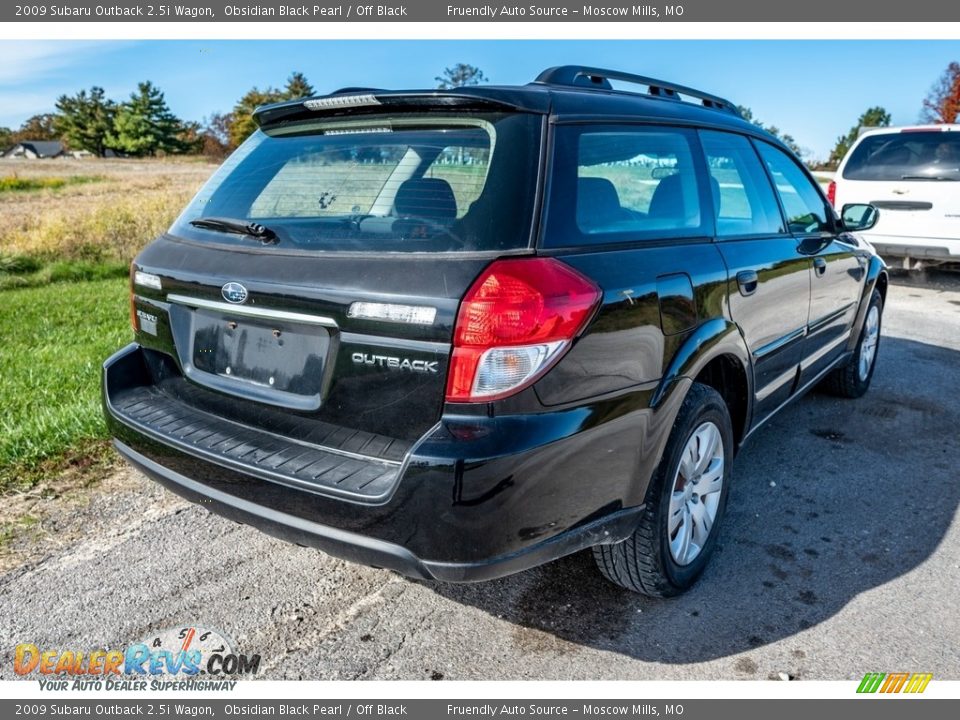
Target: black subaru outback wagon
point(461, 333)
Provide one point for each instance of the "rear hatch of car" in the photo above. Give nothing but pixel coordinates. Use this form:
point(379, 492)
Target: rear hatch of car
point(912, 176)
point(310, 290)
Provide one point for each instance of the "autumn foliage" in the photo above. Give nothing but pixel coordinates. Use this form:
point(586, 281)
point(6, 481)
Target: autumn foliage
point(942, 104)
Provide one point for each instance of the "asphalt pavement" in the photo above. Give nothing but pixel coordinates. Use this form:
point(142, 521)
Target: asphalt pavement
point(840, 554)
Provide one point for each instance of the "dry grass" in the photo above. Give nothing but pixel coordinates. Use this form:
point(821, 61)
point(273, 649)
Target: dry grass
point(109, 220)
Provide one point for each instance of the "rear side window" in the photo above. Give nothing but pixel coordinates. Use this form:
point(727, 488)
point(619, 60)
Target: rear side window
point(743, 201)
point(620, 184)
point(804, 206)
point(383, 184)
point(913, 155)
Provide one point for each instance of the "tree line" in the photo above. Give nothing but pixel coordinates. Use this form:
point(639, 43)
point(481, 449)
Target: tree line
point(143, 125)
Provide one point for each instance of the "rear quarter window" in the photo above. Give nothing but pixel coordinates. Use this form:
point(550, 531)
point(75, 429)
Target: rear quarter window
point(622, 184)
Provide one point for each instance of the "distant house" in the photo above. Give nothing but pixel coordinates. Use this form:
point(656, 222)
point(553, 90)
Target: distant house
point(34, 149)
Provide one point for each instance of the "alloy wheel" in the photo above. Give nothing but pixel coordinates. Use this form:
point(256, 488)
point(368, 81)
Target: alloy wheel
point(695, 496)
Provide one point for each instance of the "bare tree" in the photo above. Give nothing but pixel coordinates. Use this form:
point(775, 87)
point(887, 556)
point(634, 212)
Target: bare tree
point(460, 75)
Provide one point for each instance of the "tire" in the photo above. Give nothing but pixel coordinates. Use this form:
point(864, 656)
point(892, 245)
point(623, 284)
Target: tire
point(852, 379)
point(646, 562)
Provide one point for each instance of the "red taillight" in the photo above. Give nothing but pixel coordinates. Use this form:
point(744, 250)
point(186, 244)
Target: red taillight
point(832, 192)
point(514, 321)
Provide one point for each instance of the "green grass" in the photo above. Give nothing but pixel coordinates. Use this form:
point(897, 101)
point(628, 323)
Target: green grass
point(14, 183)
point(24, 271)
point(55, 338)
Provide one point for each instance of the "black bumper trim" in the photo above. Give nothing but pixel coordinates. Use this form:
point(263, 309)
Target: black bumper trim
point(333, 469)
point(378, 553)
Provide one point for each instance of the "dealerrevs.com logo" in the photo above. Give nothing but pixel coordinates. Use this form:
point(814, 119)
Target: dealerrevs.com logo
point(182, 658)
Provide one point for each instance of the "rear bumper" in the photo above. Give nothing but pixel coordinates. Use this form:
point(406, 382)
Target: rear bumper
point(942, 249)
point(475, 499)
point(370, 551)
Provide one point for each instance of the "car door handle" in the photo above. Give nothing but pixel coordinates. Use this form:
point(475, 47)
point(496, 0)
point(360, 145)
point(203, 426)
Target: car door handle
point(747, 280)
point(819, 266)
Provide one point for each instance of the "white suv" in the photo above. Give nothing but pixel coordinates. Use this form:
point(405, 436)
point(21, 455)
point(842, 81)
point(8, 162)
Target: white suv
point(912, 175)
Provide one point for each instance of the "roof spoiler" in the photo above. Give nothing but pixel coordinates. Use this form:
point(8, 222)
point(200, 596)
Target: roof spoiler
point(353, 101)
point(599, 79)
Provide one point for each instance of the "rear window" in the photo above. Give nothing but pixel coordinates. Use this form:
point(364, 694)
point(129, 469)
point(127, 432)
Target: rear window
point(913, 155)
point(398, 184)
point(622, 184)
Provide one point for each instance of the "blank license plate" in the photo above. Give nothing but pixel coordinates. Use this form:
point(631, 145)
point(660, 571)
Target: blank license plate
point(283, 356)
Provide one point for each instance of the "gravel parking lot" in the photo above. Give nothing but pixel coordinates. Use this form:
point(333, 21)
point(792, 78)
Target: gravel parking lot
point(840, 555)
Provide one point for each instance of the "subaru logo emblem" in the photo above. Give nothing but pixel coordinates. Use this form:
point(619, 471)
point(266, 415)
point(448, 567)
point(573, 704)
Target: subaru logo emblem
point(234, 292)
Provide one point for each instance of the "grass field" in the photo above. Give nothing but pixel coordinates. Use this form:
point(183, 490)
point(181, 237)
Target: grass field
point(54, 340)
point(70, 230)
point(79, 215)
point(14, 183)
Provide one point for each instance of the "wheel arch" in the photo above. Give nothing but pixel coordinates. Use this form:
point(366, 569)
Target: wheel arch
point(877, 279)
point(715, 354)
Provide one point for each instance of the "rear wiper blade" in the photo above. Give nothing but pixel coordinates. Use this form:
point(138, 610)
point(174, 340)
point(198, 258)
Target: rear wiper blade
point(942, 178)
point(240, 227)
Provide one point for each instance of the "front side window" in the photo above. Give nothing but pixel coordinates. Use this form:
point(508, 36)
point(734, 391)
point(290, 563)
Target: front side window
point(393, 184)
point(803, 204)
point(616, 184)
point(743, 201)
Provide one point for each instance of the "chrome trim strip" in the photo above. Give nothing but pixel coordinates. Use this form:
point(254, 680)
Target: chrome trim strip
point(818, 324)
point(349, 338)
point(812, 359)
point(255, 312)
point(779, 343)
point(778, 382)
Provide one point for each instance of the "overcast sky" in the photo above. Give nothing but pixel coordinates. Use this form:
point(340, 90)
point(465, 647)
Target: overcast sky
point(814, 90)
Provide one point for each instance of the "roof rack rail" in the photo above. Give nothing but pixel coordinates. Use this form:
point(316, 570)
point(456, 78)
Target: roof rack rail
point(599, 79)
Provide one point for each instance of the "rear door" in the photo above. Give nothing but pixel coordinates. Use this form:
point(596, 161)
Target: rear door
point(769, 278)
point(912, 176)
point(838, 270)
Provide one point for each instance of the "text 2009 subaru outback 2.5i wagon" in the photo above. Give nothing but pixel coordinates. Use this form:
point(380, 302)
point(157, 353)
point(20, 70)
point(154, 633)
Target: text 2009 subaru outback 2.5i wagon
point(460, 333)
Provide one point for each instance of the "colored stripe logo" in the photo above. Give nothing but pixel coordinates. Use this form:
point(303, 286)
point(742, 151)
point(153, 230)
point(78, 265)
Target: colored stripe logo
point(894, 682)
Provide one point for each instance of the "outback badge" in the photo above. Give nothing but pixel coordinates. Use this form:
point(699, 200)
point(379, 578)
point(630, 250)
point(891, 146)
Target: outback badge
point(234, 292)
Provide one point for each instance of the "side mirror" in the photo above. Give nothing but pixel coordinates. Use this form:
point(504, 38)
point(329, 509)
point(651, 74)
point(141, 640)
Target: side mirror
point(858, 216)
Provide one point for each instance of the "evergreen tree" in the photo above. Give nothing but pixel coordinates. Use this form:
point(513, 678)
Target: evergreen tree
point(144, 124)
point(85, 121)
point(243, 124)
point(783, 137)
point(297, 87)
point(874, 117)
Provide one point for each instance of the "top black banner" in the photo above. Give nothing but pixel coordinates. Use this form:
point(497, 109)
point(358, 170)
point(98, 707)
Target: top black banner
point(444, 11)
